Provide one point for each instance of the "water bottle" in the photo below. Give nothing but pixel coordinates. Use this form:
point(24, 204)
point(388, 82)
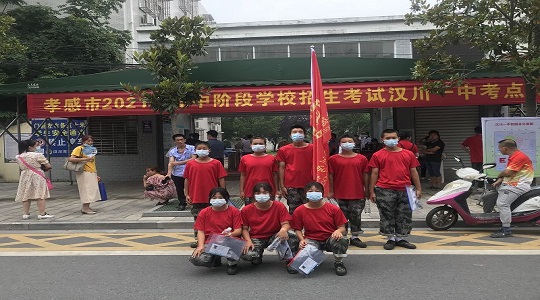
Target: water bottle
point(367, 208)
point(227, 231)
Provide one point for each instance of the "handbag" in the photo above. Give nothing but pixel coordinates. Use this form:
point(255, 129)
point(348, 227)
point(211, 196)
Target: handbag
point(75, 167)
point(47, 179)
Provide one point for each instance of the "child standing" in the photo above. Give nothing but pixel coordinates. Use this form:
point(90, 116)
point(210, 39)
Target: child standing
point(257, 167)
point(201, 175)
point(215, 220)
point(323, 225)
point(348, 178)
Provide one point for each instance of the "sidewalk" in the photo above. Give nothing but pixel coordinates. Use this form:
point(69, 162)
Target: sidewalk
point(126, 209)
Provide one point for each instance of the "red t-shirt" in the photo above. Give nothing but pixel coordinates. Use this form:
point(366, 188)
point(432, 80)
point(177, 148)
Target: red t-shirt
point(319, 223)
point(264, 223)
point(203, 177)
point(394, 168)
point(257, 169)
point(348, 176)
point(475, 146)
point(408, 145)
point(298, 165)
point(212, 221)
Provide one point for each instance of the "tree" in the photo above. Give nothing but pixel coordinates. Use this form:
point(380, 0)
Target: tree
point(507, 31)
point(61, 46)
point(9, 45)
point(96, 11)
point(170, 60)
point(265, 126)
point(349, 123)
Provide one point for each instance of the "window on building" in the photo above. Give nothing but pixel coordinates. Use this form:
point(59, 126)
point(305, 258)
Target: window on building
point(211, 56)
point(465, 51)
point(236, 53)
point(341, 50)
point(378, 49)
point(271, 51)
point(303, 50)
point(114, 135)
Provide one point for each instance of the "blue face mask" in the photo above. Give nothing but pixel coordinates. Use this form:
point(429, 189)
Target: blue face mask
point(391, 142)
point(347, 146)
point(262, 198)
point(314, 196)
point(218, 202)
point(296, 137)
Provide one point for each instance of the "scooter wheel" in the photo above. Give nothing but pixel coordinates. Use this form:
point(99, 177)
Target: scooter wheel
point(442, 218)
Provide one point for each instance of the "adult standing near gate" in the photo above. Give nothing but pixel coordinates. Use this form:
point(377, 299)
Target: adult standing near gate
point(87, 180)
point(295, 167)
point(217, 147)
point(392, 169)
point(32, 182)
point(257, 167)
point(434, 157)
point(473, 145)
point(178, 158)
point(405, 142)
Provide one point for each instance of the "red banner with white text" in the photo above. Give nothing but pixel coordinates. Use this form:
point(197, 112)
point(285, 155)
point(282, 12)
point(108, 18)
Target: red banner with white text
point(346, 96)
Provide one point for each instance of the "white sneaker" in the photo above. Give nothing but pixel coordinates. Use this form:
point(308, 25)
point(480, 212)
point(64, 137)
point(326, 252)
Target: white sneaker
point(45, 216)
point(25, 217)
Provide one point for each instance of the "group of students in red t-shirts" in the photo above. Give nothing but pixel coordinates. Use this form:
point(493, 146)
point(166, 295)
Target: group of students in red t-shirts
point(312, 217)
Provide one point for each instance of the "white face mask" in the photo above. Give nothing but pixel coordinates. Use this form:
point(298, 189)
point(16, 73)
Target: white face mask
point(347, 146)
point(202, 153)
point(258, 148)
point(262, 198)
point(314, 196)
point(218, 202)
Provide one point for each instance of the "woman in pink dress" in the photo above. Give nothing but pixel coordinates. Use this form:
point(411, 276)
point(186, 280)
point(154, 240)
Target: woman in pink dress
point(158, 186)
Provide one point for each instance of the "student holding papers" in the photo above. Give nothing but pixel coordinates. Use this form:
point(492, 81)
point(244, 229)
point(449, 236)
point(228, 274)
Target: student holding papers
point(219, 218)
point(322, 225)
point(392, 169)
point(262, 222)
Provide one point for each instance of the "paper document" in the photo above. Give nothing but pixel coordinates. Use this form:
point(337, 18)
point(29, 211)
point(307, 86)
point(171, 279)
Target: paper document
point(308, 265)
point(219, 250)
point(411, 194)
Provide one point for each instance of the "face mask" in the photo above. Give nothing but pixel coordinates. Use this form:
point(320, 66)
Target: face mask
point(218, 202)
point(296, 137)
point(391, 142)
point(314, 196)
point(202, 153)
point(262, 198)
point(38, 148)
point(347, 146)
point(258, 148)
point(86, 145)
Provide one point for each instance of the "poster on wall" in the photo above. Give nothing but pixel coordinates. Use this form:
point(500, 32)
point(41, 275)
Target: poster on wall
point(11, 146)
point(59, 133)
point(525, 131)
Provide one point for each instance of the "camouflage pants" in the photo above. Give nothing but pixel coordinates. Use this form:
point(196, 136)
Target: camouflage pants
point(195, 210)
point(352, 209)
point(208, 260)
point(295, 198)
point(260, 244)
point(339, 248)
point(394, 212)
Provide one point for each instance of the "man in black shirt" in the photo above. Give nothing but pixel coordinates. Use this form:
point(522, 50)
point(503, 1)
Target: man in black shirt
point(216, 146)
point(434, 152)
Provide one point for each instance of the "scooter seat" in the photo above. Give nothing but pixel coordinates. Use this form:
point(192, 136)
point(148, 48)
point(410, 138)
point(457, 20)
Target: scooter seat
point(532, 193)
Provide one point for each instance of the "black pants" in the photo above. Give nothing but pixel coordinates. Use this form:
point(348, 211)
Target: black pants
point(179, 183)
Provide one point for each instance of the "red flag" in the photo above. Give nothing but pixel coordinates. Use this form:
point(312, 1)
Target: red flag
point(321, 125)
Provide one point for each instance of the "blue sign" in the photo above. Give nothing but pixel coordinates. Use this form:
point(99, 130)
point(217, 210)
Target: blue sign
point(56, 136)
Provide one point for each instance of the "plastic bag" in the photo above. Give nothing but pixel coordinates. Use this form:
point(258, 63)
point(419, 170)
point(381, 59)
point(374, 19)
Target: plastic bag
point(307, 259)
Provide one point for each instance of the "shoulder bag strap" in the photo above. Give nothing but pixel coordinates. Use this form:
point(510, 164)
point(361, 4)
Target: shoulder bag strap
point(31, 168)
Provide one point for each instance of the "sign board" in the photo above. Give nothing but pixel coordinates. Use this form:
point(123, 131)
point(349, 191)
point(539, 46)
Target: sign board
point(11, 146)
point(525, 131)
point(60, 133)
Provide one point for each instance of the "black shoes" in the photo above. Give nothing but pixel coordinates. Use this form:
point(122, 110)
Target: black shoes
point(181, 207)
point(340, 268)
point(502, 233)
point(405, 244)
point(389, 245)
point(232, 270)
point(291, 270)
point(358, 243)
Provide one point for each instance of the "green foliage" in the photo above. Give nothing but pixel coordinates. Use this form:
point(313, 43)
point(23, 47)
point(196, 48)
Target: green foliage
point(507, 31)
point(61, 46)
point(9, 44)
point(170, 60)
point(95, 11)
point(265, 126)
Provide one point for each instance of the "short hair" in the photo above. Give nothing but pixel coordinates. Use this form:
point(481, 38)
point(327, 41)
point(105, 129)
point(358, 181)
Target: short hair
point(202, 143)
point(345, 136)
point(478, 129)
point(316, 184)
point(153, 168)
point(212, 133)
point(434, 131)
point(508, 143)
point(222, 191)
point(404, 135)
point(297, 126)
point(195, 135)
point(258, 138)
point(178, 135)
point(389, 130)
point(263, 185)
point(24, 145)
point(86, 137)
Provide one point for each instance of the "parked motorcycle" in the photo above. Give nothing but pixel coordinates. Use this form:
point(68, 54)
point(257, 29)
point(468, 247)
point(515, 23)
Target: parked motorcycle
point(452, 201)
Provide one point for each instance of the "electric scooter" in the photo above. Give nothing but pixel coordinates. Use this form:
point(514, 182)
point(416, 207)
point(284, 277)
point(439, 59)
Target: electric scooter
point(452, 201)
